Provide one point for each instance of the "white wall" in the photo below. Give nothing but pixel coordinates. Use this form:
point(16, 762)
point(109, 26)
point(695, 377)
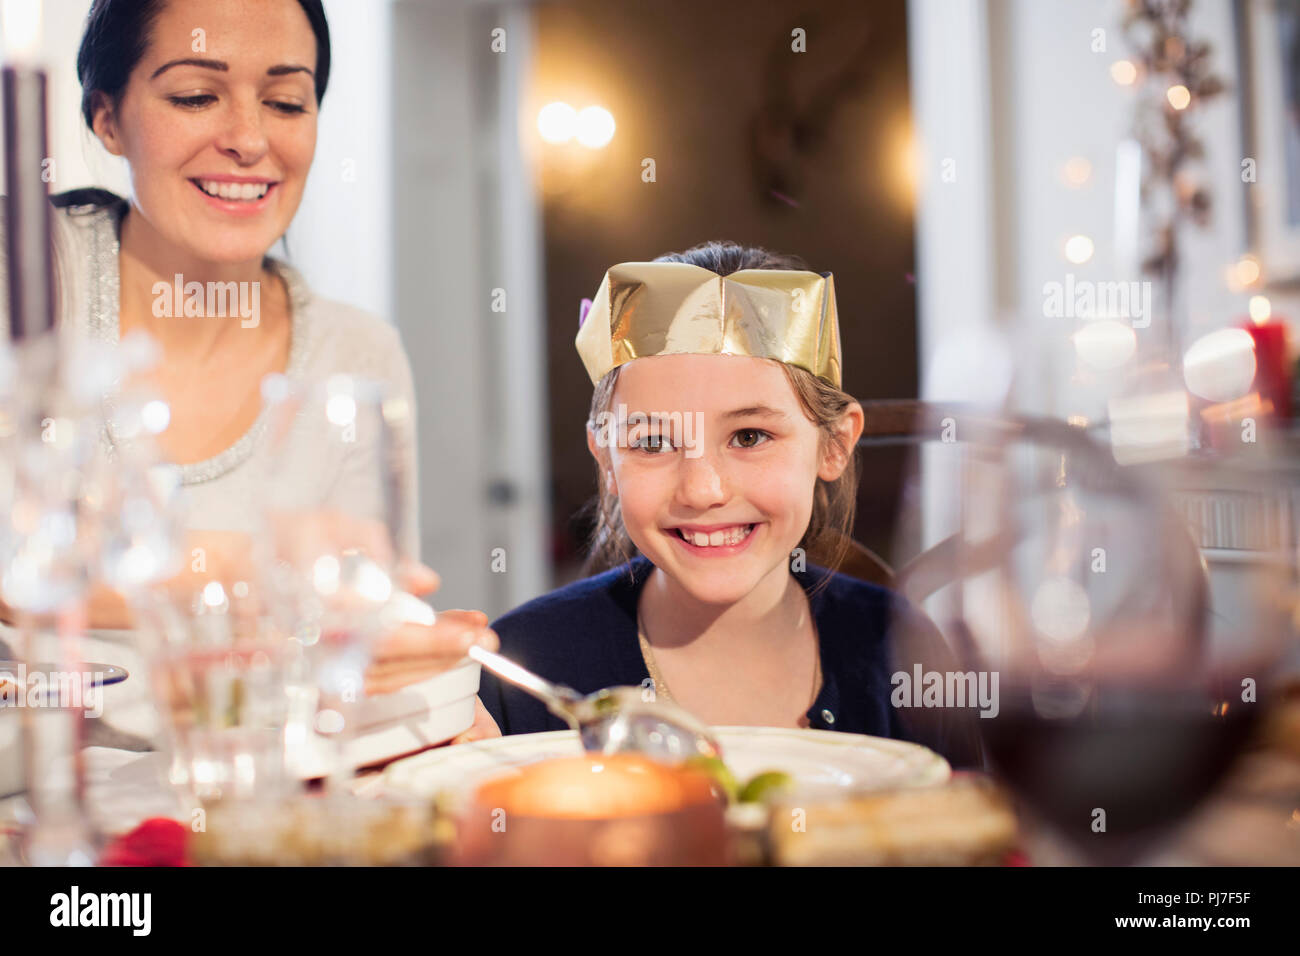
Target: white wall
point(467, 224)
point(79, 159)
point(1013, 89)
point(1034, 95)
point(1058, 101)
point(342, 237)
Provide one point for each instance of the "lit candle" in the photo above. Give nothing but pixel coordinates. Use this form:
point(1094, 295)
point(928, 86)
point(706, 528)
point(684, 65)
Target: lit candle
point(1272, 376)
point(27, 208)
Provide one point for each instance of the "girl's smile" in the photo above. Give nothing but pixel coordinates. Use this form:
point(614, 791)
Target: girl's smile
point(714, 541)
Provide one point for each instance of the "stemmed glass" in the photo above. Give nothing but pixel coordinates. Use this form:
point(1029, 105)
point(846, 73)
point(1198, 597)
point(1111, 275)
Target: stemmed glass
point(1084, 590)
point(53, 493)
point(337, 495)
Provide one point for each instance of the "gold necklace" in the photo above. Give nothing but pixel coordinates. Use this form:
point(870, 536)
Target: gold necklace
point(661, 685)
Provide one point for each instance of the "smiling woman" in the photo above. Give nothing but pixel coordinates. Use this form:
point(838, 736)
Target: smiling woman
point(213, 105)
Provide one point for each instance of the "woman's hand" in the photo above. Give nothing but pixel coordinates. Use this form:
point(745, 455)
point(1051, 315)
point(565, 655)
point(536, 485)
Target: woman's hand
point(105, 610)
point(416, 652)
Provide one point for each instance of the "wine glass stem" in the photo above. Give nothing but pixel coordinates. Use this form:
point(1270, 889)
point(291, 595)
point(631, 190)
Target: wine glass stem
point(60, 833)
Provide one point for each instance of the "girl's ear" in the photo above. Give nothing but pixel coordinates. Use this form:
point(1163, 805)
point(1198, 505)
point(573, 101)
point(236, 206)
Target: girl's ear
point(105, 123)
point(602, 461)
point(836, 455)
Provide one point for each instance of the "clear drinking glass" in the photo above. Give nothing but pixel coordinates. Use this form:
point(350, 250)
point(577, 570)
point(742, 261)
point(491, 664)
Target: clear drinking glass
point(220, 670)
point(336, 495)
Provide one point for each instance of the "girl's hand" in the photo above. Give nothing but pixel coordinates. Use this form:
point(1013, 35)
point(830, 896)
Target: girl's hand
point(484, 726)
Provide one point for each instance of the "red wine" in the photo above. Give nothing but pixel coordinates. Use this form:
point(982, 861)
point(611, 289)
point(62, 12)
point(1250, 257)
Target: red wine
point(1145, 757)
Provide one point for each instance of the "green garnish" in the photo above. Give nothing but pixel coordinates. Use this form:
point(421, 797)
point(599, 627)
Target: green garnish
point(757, 789)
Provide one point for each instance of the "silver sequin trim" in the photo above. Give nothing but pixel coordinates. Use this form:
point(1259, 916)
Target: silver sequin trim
point(104, 324)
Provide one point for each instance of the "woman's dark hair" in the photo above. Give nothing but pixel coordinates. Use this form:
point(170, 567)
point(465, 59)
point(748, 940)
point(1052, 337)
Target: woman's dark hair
point(830, 528)
point(117, 34)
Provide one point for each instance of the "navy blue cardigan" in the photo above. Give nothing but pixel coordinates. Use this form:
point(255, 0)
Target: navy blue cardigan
point(584, 635)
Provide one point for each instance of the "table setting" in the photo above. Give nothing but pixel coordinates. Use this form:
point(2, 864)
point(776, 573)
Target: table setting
point(1128, 708)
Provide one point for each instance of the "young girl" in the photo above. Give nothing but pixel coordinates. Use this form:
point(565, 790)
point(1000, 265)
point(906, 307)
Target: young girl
point(724, 453)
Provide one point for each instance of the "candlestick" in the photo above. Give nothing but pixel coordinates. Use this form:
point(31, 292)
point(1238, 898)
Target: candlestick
point(46, 577)
point(27, 206)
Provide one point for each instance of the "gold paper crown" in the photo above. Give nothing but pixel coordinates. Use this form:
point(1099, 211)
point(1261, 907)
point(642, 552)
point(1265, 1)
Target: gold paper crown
point(673, 308)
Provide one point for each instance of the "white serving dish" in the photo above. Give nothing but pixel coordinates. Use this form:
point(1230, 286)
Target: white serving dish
point(403, 722)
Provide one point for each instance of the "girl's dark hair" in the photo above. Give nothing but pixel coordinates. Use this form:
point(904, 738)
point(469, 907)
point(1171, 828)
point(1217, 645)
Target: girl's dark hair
point(830, 528)
point(117, 34)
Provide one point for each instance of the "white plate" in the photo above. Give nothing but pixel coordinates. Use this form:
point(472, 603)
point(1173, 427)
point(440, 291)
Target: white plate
point(822, 762)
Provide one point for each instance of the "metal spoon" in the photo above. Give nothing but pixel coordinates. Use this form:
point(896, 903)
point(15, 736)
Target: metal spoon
point(614, 719)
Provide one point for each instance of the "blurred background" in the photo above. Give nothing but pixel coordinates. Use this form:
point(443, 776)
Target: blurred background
point(961, 167)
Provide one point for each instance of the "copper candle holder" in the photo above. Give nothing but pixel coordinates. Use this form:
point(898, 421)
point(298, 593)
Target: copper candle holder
point(616, 810)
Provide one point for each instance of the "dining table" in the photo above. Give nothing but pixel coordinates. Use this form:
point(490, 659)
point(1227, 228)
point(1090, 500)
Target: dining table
point(1252, 818)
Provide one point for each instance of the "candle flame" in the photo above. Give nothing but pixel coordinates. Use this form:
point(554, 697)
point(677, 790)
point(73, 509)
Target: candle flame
point(1260, 309)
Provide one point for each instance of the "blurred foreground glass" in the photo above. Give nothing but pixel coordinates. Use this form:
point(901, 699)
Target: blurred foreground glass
point(220, 672)
point(1084, 591)
point(49, 426)
point(335, 498)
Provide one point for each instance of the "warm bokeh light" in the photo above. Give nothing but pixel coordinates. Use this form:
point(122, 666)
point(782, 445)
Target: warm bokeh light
point(907, 161)
point(1246, 271)
point(1178, 96)
point(595, 127)
point(1077, 171)
point(1078, 249)
point(1260, 309)
point(557, 122)
point(1123, 72)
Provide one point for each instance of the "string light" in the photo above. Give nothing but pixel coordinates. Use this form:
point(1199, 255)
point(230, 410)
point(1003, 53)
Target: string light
point(1247, 271)
point(1077, 171)
point(1178, 96)
point(1123, 72)
point(1078, 249)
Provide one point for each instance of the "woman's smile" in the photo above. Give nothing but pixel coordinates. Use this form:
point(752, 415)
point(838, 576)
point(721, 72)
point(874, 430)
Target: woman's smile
point(237, 195)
